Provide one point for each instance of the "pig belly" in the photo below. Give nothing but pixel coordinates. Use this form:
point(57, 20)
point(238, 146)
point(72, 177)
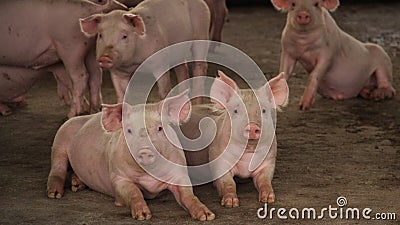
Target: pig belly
point(88, 157)
point(241, 169)
point(16, 81)
point(345, 79)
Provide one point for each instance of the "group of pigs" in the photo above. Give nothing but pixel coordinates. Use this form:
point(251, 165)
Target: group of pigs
point(74, 39)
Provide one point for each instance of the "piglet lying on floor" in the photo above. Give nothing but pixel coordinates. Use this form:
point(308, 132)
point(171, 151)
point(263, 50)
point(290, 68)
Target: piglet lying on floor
point(97, 150)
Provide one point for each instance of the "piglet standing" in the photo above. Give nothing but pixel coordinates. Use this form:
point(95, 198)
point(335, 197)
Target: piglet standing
point(96, 147)
point(126, 38)
point(244, 132)
point(340, 66)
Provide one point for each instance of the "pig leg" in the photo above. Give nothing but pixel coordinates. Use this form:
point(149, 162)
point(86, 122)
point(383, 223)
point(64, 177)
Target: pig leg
point(64, 83)
point(130, 195)
point(185, 197)
point(383, 73)
point(226, 187)
point(309, 94)
point(164, 85)
point(262, 181)
point(75, 66)
point(76, 183)
point(117, 86)
point(58, 172)
point(95, 80)
point(287, 65)
point(5, 110)
point(220, 12)
point(182, 74)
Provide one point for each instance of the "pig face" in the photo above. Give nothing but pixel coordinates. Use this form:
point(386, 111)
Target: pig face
point(117, 34)
point(251, 113)
point(145, 135)
point(305, 14)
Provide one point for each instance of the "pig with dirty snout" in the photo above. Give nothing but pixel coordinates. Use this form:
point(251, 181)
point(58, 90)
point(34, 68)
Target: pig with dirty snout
point(96, 147)
point(339, 65)
point(126, 38)
point(240, 129)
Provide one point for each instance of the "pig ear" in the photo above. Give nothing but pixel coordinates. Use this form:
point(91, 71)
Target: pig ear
point(111, 117)
point(280, 90)
point(136, 22)
point(281, 4)
point(89, 25)
point(177, 108)
point(330, 5)
point(222, 92)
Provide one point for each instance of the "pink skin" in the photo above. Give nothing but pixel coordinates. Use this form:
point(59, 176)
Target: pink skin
point(127, 38)
point(241, 130)
point(57, 38)
point(339, 66)
point(217, 8)
point(112, 169)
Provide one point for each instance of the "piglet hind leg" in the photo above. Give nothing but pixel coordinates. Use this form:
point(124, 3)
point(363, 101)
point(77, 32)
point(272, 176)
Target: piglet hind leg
point(5, 110)
point(383, 75)
point(185, 197)
point(130, 195)
point(76, 183)
point(58, 173)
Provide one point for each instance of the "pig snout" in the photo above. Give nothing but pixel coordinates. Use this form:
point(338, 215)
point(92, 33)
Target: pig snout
point(303, 18)
point(106, 62)
point(146, 157)
point(252, 132)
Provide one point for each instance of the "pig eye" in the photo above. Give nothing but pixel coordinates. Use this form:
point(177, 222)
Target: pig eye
point(124, 37)
point(159, 128)
point(264, 111)
point(316, 4)
point(100, 36)
point(293, 4)
point(129, 131)
point(235, 111)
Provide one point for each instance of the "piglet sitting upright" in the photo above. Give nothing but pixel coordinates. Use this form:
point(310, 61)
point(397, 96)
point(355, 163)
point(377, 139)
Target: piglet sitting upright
point(96, 147)
point(340, 66)
point(245, 143)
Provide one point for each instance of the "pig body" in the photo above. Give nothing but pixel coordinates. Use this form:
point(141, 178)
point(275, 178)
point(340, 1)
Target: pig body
point(97, 150)
point(240, 135)
point(217, 8)
point(127, 38)
point(39, 34)
point(339, 65)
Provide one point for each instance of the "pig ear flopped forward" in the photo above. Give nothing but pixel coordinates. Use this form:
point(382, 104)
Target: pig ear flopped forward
point(89, 25)
point(111, 117)
point(281, 5)
point(221, 92)
point(330, 5)
point(136, 22)
point(177, 108)
point(280, 90)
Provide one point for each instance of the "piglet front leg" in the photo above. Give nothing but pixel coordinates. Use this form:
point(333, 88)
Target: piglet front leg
point(226, 187)
point(185, 197)
point(130, 195)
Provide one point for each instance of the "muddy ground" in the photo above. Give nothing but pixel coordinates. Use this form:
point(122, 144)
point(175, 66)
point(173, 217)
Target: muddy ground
point(349, 148)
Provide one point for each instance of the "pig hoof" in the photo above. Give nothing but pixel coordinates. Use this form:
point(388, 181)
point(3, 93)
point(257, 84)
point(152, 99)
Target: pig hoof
point(202, 213)
point(76, 183)
point(140, 211)
point(55, 193)
point(382, 93)
point(4, 110)
point(266, 197)
point(230, 200)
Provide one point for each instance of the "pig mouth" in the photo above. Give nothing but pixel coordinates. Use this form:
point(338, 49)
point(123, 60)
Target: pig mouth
point(105, 62)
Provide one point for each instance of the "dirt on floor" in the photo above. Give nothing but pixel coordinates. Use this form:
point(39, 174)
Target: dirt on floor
point(345, 148)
